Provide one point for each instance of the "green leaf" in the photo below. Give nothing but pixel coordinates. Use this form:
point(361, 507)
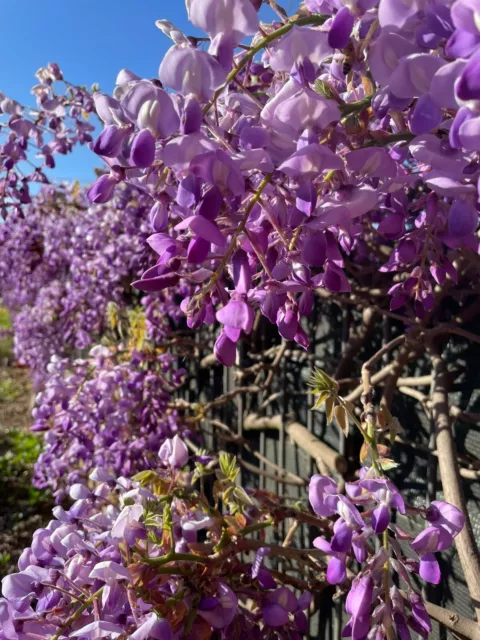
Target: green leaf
point(320, 400)
point(386, 464)
point(242, 496)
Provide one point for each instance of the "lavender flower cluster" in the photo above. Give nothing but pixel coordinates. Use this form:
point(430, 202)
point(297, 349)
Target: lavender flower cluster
point(341, 138)
point(62, 261)
point(127, 560)
point(374, 601)
point(151, 557)
point(34, 135)
point(276, 166)
point(110, 410)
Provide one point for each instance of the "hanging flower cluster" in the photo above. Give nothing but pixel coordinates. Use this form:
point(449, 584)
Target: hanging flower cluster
point(62, 261)
point(110, 410)
point(150, 559)
point(279, 167)
point(33, 136)
point(340, 141)
point(374, 602)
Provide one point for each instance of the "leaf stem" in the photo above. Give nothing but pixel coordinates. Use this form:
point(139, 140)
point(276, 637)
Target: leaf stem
point(77, 614)
point(172, 556)
point(255, 527)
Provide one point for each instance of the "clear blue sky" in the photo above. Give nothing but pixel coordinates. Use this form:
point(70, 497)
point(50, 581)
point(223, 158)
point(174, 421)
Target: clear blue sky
point(91, 40)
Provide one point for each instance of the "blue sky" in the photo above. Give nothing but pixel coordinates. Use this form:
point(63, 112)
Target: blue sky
point(91, 41)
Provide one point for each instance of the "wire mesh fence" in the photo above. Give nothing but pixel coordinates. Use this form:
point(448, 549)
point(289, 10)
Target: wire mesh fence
point(264, 403)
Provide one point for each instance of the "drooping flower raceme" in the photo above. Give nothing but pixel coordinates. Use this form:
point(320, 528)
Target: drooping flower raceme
point(342, 131)
point(109, 410)
point(374, 602)
point(127, 559)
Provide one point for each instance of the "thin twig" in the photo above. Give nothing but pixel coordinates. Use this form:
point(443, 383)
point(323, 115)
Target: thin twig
point(450, 476)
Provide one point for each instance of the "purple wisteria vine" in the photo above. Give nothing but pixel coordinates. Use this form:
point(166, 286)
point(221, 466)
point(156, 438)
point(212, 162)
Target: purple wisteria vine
point(31, 136)
point(331, 155)
point(63, 262)
point(294, 164)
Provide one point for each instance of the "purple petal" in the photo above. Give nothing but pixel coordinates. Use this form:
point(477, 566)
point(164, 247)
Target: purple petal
point(359, 599)
point(462, 219)
point(430, 569)
point(445, 515)
point(239, 18)
point(110, 142)
point(413, 75)
point(285, 598)
point(426, 115)
point(157, 284)
point(142, 153)
point(336, 571)
point(311, 160)
point(206, 230)
point(306, 198)
point(342, 540)
point(237, 314)
point(274, 615)
point(420, 613)
point(319, 487)
point(341, 29)
point(225, 350)
point(461, 44)
point(314, 251)
point(257, 563)
point(380, 519)
point(210, 204)
point(188, 70)
point(373, 162)
point(198, 250)
point(102, 190)
point(293, 47)
point(468, 86)
point(242, 275)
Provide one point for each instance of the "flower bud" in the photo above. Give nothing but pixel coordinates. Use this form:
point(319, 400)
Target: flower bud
point(110, 142)
point(142, 153)
point(102, 189)
point(174, 452)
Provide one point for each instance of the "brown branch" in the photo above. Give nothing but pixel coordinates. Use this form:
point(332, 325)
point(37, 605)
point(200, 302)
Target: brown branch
point(323, 455)
point(275, 364)
point(254, 422)
point(450, 476)
point(316, 449)
point(376, 379)
point(408, 381)
point(244, 443)
point(456, 623)
point(226, 397)
point(356, 341)
point(404, 356)
point(282, 478)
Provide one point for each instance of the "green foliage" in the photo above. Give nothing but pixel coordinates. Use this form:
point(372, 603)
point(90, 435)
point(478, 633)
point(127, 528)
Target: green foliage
point(6, 344)
point(5, 322)
point(225, 487)
point(22, 507)
point(18, 453)
point(10, 390)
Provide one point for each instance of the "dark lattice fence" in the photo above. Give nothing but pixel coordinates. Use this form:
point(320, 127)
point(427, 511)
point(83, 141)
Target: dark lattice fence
point(287, 400)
